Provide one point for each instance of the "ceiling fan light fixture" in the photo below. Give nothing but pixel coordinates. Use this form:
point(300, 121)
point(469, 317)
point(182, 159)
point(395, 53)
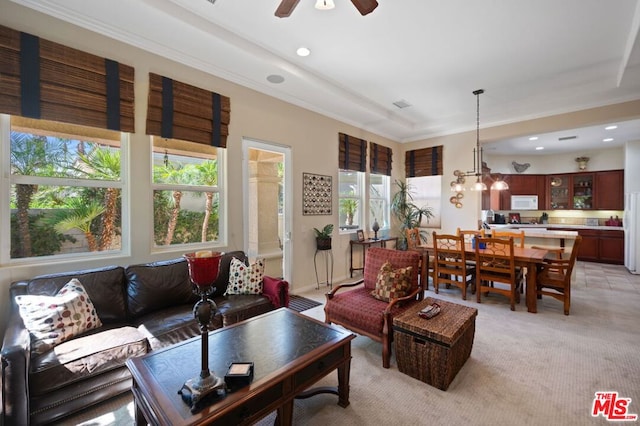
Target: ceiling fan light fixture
point(325, 4)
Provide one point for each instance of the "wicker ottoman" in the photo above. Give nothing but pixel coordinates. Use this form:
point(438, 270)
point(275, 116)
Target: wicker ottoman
point(434, 350)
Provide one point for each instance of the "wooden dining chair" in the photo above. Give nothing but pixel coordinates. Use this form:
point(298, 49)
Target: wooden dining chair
point(414, 241)
point(555, 277)
point(518, 241)
point(450, 264)
point(496, 269)
point(469, 234)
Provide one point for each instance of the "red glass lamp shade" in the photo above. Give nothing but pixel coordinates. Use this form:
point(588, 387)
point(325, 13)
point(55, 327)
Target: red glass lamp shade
point(203, 267)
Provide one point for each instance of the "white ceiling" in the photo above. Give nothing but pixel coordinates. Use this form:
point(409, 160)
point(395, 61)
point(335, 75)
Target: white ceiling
point(533, 58)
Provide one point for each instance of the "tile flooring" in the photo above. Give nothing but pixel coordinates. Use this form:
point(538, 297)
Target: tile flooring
point(601, 275)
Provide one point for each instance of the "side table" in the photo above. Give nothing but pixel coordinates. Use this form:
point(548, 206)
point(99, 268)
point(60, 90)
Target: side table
point(366, 244)
point(327, 254)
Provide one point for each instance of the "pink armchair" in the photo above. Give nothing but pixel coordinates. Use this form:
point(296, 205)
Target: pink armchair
point(357, 310)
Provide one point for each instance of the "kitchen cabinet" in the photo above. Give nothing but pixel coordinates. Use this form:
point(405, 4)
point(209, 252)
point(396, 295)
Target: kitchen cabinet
point(559, 187)
point(611, 247)
point(600, 245)
point(610, 190)
point(523, 185)
point(583, 191)
point(586, 191)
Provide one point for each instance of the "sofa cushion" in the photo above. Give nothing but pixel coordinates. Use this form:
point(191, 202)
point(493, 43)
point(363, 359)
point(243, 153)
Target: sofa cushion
point(392, 283)
point(85, 356)
point(105, 287)
point(154, 286)
point(223, 274)
point(52, 320)
point(245, 279)
point(239, 307)
point(171, 325)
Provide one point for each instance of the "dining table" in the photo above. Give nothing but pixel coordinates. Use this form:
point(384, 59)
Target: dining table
point(526, 257)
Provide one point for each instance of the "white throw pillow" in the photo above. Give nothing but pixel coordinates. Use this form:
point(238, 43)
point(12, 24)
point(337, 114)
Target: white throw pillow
point(245, 279)
point(52, 320)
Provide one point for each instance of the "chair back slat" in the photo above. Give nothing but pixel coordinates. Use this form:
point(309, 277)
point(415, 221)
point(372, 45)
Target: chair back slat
point(469, 234)
point(518, 237)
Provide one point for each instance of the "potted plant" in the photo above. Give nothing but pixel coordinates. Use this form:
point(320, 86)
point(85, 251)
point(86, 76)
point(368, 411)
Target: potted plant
point(406, 212)
point(348, 207)
point(323, 237)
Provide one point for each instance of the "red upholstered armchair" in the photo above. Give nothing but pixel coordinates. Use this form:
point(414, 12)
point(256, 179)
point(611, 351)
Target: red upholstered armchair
point(357, 310)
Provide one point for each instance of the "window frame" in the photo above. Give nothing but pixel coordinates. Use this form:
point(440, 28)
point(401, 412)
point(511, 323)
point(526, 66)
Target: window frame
point(385, 224)
point(193, 149)
point(7, 180)
point(360, 196)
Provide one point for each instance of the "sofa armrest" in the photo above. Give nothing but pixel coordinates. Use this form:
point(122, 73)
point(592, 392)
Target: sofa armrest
point(276, 290)
point(16, 358)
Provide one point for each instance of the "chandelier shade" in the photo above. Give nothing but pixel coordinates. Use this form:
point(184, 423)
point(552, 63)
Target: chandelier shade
point(325, 4)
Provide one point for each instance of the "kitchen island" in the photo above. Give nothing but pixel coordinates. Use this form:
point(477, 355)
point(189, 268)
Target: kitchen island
point(604, 244)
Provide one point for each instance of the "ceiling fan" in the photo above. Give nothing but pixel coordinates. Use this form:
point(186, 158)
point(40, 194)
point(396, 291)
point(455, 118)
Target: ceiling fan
point(287, 6)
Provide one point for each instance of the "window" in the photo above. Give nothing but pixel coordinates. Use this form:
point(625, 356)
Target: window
point(351, 199)
point(379, 197)
point(66, 188)
point(427, 193)
point(186, 193)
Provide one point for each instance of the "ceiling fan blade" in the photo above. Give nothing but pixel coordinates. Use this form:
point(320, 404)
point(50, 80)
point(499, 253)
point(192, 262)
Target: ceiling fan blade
point(286, 7)
point(365, 6)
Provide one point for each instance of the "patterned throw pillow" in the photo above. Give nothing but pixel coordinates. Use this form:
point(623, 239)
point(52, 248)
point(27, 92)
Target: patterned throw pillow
point(52, 320)
point(392, 283)
point(245, 279)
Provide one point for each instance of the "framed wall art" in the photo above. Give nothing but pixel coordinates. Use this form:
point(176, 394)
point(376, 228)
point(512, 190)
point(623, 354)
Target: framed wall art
point(316, 194)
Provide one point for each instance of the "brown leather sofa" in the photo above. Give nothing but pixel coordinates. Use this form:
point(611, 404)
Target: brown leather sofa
point(142, 307)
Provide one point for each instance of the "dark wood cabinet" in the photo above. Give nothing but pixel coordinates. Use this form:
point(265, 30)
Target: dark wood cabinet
point(523, 185)
point(603, 246)
point(611, 247)
point(589, 248)
point(609, 187)
point(569, 191)
point(586, 191)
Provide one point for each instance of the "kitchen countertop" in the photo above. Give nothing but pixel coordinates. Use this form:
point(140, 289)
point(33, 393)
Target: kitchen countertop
point(550, 226)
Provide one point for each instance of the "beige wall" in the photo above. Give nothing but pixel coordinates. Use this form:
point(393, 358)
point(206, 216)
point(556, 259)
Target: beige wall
point(312, 138)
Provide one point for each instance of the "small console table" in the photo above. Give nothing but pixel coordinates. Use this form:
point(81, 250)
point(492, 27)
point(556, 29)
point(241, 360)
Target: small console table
point(366, 244)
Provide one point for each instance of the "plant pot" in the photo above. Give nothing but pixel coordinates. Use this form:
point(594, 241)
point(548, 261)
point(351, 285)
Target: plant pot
point(323, 243)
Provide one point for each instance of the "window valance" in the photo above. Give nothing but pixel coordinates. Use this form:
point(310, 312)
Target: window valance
point(180, 111)
point(380, 159)
point(353, 153)
point(424, 162)
point(46, 80)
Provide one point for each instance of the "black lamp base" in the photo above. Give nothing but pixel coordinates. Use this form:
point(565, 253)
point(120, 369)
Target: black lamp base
point(199, 392)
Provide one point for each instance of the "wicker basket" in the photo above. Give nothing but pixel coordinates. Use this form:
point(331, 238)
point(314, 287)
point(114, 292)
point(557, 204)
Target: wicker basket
point(434, 350)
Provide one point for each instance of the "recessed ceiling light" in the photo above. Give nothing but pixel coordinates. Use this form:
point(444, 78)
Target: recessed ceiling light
point(533, 138)
point(303, 51)
point(539, 148)
point(607, 139)
point(611, 127)
point(275, 78)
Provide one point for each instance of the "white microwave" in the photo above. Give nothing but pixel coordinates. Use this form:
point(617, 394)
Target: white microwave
point(524, 202)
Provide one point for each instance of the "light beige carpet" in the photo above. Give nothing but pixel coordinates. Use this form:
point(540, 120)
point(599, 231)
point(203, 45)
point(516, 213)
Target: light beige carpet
point(524, 369)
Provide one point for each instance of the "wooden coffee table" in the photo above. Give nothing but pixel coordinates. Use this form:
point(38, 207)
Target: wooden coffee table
point(290, 353)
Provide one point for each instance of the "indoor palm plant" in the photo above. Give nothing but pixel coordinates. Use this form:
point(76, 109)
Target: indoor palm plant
point(406, 212)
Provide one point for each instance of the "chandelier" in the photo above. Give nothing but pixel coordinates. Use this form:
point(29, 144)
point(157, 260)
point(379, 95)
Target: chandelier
point(458, 184)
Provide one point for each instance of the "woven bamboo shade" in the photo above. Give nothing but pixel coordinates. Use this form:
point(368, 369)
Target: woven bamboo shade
point(181, 111)
point(46, 80)
point(380, 159)
point(424, 162)
point(352, 154)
